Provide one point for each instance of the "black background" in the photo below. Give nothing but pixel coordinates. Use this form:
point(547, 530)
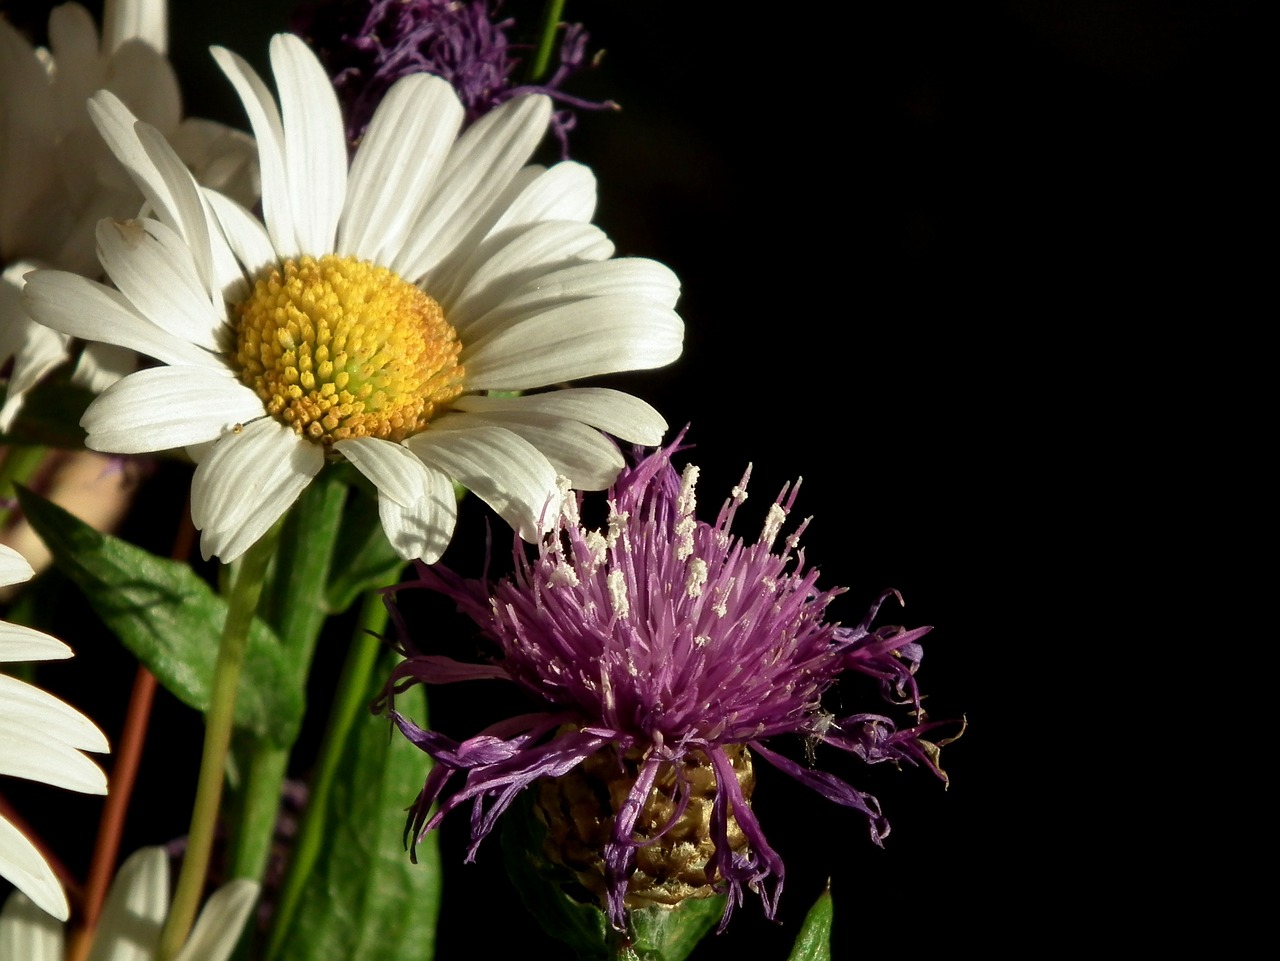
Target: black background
point(970, 271)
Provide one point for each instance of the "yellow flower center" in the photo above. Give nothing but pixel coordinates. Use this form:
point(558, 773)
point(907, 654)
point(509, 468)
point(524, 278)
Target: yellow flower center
point(339, 348)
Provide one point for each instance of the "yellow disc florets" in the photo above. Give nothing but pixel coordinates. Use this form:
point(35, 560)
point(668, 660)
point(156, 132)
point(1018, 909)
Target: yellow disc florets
point(339, 348)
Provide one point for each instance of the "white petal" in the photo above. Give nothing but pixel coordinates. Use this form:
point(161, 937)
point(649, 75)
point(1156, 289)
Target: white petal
point(612, 411)
point(21, 643)
point(144, 79)
point(221, 923)
point(566, 191)
point(28, 932)
point(88, 310)
point(135, 909)
point(219, 157)
point(22, 865)
point(194, 226)
point(392, 469)
point(117, 124)
point(578, 452)
point(597, 336)
point(402, 152)
point(35, 349)
point(315, 145)
point(161, 408)
point(159, 173)
point(479, 167)
point(516, 259)
point(264, 118)
point(247, 482)
point(145, 20)
point(505, 471)
point(153, 268)
point(244, 232)
point(14, 568)
point(52, 718)
point(626, 276)
point(101, 365)
point(423, 529)
point(27, 755)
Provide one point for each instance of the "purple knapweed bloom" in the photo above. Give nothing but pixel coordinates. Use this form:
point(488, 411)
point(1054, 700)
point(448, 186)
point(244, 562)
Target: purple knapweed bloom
point(367, 47)
point(668, 646)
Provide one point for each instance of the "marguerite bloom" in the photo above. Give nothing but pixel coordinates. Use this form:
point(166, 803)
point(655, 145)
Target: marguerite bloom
point(667, 654)
point(40, 739)
point(132, 919)
point(57, 179)
point(382, 315)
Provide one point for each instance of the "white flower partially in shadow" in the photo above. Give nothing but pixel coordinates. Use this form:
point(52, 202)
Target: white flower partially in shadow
point(40, 739)
point(132, 919)
point(58, 179)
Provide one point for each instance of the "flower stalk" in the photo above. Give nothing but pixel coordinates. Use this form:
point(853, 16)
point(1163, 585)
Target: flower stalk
point(291, 606)
point(546, 39)
point(242, 605)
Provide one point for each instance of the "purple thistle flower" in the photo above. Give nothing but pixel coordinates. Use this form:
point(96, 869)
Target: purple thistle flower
point(367, 47)
point(664, 641)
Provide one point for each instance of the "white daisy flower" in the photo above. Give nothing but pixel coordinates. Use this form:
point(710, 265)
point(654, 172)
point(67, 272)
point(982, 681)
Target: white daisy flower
point(382, 315)
point(57, 178)
point(40, 739)
point(132, 919)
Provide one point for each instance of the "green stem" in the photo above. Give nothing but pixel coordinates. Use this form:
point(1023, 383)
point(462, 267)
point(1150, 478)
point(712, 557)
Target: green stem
point(293, 606)
point(241, 606)
point(349, 702)
point(546, 38)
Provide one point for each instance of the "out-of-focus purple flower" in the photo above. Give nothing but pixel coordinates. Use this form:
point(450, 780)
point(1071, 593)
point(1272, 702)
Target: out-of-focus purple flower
point(670, 648)
point(366, 47)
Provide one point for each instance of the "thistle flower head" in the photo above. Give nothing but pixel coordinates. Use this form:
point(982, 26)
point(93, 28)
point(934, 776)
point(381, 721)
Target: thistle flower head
point(668, 645)
point(367, 47)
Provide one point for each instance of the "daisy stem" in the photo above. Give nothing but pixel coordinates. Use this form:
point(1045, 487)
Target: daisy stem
point(349, 701)
point(546, 38)
point(242, 604)
point(293, 605)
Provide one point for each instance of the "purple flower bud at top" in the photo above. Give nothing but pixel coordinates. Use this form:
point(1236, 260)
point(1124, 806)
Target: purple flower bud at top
point(366, 47)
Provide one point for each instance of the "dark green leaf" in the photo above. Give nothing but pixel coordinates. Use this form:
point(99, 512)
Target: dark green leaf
point(814, 940)
point(365, 900)
point(171, 620)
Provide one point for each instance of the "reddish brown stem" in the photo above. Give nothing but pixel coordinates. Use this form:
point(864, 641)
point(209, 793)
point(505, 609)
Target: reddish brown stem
point(124, 774)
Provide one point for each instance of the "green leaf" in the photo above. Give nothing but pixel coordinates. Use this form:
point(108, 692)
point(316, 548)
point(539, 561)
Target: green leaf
point(814, 941)
point(365, 900)
point(363, 559)
point(671, 934)
point(171, 620)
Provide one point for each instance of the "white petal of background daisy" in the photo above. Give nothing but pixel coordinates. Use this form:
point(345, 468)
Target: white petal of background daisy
point(40, 739)
point(369, 313)
point(57, 179)
point(134, 913)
